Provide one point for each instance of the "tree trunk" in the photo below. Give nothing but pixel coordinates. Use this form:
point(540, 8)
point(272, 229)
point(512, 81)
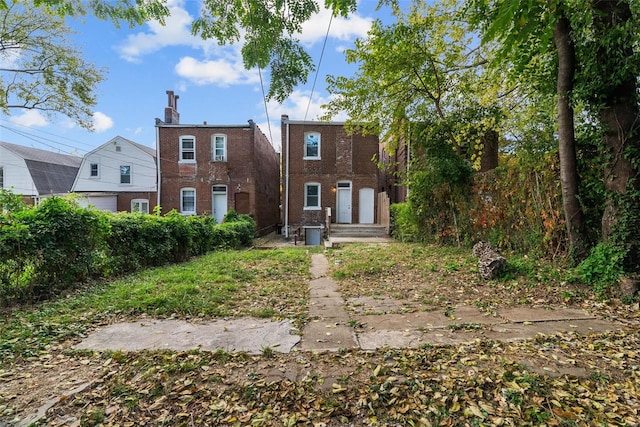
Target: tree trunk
point(620, 119)
point(489, 155)
point(566, 139)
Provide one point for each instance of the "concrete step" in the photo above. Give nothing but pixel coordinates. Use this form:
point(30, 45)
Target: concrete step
point(358, 230)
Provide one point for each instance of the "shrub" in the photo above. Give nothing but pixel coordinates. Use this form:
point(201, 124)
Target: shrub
point(404, 224)
point(603, 268)
point(52, 246)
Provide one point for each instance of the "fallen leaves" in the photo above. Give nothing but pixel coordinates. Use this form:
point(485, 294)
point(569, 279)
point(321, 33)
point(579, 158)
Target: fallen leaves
point(482, 383)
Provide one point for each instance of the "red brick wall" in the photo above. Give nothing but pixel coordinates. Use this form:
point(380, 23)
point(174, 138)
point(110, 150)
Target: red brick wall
point(251, 166)
point(124, 200)
point(343, 158)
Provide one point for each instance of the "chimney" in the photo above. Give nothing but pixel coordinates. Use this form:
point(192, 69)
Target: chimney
point(171, 115)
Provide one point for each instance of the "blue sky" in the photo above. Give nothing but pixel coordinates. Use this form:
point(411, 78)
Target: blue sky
point(144, 62)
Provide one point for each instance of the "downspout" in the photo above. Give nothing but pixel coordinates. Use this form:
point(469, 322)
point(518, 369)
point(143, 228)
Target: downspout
point(286, 178)
point(158, 166)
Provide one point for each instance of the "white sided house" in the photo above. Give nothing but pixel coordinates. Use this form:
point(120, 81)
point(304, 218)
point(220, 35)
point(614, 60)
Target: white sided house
point(119, 176)
point(34, 173)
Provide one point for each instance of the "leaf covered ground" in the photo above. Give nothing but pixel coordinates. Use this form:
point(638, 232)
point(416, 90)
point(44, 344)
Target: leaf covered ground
point(479, 383)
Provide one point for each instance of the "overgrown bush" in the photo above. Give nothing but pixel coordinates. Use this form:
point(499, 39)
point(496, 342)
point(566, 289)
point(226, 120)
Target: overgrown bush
point(404, 224)
point(49, 248)
point(57, 244)
point(602, 269)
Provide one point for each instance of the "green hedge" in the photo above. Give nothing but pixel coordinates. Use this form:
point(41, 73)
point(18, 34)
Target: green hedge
point(58, 244)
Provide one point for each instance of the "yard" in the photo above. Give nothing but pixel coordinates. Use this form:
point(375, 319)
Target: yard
point(479, 383)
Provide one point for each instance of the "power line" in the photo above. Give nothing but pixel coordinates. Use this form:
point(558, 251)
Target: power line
point(315, 79)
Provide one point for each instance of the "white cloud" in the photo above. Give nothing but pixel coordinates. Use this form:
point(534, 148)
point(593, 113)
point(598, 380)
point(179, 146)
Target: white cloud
point(30, 118)
point(101, 122)
point(175, 32)
point(219, 72)
point(315, 29)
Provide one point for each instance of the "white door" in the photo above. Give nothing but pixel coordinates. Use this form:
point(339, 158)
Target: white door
point(344, 203)
point(366, 204)
point(219, 202)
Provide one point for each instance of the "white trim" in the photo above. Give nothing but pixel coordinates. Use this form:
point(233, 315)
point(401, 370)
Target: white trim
point(140, 201)
point(217, 157)
point(130, 175)
point(182, 191)
point(181, 138)
point(304, 148)
point(312, 207)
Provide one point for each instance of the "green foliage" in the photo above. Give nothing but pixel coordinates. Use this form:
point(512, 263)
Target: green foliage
point(603, 268)
point(404, 223)
point(53, 246)
point(269, 30)
point(49, 248)
point(49, 75)
point(10, 202)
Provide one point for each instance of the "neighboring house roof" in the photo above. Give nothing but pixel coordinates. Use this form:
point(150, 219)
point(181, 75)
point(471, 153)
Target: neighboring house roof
point(52, 173)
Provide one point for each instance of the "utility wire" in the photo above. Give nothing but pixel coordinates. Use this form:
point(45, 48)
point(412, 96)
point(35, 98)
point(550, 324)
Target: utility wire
point(315, 79)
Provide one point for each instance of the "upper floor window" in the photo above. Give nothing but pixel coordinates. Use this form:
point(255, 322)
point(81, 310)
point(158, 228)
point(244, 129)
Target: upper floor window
point(219, 148)
point(1, 177)
point(93, 173)
point(312, 145)
point(125, 174)
point(188, 201)
point(188, 149)
point(140, 206)
point(312, 196)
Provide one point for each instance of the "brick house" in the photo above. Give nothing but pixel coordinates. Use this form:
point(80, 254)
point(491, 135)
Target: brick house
point(209, 169)
point(329, 176)
point(395, 165)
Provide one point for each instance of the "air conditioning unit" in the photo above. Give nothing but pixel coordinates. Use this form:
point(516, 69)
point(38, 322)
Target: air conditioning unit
point(218, 158)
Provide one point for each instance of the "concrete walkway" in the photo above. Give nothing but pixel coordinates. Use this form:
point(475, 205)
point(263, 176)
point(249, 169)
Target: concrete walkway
point(331, 328)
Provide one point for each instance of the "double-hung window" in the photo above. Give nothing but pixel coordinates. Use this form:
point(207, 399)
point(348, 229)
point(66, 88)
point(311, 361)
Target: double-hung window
point(125, 174)
point(140, 206)
point(312, 146)
point(219, 148)
point(93, 170)
point(188, 201)
point(312, 196)
point(188, 149)
point(1, 177)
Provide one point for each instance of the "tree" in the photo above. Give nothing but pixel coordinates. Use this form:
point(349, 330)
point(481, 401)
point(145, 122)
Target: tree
point(41, 70)
point(269, 29)
point(601, 35)
point(423, 68)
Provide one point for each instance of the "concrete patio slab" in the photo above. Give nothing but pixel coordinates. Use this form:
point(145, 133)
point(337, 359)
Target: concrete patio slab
point(237, 335)
point(526, 314)
point(327, 336)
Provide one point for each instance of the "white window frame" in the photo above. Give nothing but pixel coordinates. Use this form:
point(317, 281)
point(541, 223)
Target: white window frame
point(130, 175)
point(215, 156)
point(305, 153)
point(143, 205)
point(91, 175)
point(307, 186)
point(183, 139)
point(182, 210)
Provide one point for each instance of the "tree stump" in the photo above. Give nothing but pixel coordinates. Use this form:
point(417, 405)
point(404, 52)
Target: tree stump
point(629, 286)
point(490, 263)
